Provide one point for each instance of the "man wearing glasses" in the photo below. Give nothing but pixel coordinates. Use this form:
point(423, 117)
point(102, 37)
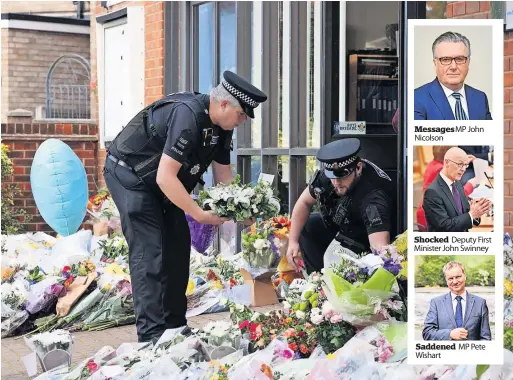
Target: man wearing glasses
point(446, 207)
point(356, 205)
point(448, 97)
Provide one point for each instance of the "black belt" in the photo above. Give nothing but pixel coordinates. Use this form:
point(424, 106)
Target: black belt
point(119, 162)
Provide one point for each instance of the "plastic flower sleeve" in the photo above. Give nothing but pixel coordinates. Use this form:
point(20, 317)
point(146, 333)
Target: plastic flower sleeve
point(359, 305)
point(12, 323)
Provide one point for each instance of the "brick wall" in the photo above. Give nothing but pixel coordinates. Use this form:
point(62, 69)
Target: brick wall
point(53, 8)
point(481, 9)
point(27, 55)
point(154, 55)
point(24, 139)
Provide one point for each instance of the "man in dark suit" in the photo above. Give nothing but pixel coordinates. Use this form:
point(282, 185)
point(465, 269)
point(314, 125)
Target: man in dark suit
point(457, 315)
point(445, 204)
point(448, 97)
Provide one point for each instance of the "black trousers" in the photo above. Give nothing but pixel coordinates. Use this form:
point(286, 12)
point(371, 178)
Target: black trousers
point(314, 240)
point(159, 244)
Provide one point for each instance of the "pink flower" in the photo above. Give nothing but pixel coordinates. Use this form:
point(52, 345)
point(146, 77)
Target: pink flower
point(289, 333)
point(317, 319)
point(327, 310)
point(336, 318)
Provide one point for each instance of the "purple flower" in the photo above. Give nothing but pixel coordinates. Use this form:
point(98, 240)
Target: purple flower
point(392, 266)
point(507, 239)
point(202, 235)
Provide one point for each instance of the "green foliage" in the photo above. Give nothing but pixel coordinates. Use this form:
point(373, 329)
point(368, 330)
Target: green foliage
point(508, 338)
point(429, 272)
point(332, 336)
point(11, 215)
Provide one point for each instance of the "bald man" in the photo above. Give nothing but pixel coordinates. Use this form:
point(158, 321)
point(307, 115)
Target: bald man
point(445, 203)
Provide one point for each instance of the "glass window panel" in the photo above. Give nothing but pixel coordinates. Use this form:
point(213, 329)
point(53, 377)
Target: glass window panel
point(228, 53)
point(284, 183)
point(227, 37)
point(314, 43)
point(436, 9)
point(256, 168)
point(256, 70)
point(205, 58)
point(283, 74)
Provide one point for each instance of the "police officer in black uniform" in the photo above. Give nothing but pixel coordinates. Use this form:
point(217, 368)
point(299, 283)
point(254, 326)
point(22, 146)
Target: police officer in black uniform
point(151, 168)
point(356, 202)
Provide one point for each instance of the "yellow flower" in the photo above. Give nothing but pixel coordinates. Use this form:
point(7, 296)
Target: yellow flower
point(106, 288)
point(331, 356)
point(216, 285)
point(190, 288)
point(508, 287)
point(223, 368)
point(288, 320)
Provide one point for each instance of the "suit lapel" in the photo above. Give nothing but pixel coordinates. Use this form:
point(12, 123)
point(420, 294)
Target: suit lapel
point(449, 309)
point(468, 308)
point(447, 192)
point(438, 95)
point(471, 104)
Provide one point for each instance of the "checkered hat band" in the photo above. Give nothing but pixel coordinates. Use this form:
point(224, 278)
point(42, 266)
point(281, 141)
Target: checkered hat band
point(340, 165)
point(240, 95)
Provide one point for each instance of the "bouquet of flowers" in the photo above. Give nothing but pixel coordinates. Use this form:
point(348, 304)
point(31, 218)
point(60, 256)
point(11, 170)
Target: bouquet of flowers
point(15, 294)
point(48, 341)
point(260, 246)
point(359, 294)
point(112, 248)
point(240, 202)
point(96, 201)
point(220, 333)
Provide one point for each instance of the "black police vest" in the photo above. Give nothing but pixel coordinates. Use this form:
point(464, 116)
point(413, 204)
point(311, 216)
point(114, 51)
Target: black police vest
point(141, 143)
point(342, 214)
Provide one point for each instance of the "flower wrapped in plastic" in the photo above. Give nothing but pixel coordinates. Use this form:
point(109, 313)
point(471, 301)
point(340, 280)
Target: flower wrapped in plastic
point(358, 289)
point(46, 342)
point(240, 202)
point(260, 248)
point(202, 235)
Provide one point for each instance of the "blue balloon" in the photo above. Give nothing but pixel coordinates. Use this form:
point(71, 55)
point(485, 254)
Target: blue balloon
point(59, 186)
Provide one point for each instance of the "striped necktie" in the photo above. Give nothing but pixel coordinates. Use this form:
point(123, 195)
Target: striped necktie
point(459, 112)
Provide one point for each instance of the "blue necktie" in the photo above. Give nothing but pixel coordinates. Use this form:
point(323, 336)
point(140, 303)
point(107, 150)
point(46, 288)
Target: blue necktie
point(459, 312)
point(459, 112)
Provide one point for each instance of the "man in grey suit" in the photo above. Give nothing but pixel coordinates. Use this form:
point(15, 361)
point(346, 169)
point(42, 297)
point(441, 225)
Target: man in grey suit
point(445, 204)
point(457, 315)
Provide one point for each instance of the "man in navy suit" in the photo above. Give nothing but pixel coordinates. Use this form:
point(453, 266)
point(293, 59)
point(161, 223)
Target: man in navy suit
point(457, 315)
point(448, 97)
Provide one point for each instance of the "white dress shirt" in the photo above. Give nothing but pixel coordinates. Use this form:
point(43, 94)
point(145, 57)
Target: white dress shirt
point(452, 100)
point(463, 304)
point(449, 183)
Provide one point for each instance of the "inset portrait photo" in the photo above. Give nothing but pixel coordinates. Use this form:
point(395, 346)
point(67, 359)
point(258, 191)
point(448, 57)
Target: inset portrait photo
point(453, 72)
point(453, 188)
point(455, 298)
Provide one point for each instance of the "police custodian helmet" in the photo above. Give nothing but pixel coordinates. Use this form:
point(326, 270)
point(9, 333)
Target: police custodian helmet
point(339, 157)
point(248, 96)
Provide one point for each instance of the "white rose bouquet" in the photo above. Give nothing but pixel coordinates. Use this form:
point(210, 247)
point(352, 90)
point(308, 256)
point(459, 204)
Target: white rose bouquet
point(240, 202)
